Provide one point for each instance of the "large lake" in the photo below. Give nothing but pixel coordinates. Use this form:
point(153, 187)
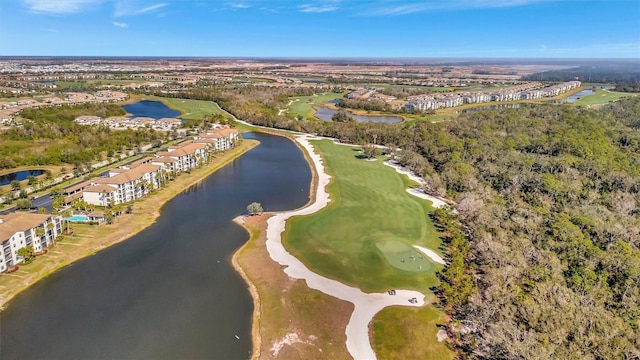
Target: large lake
point(169, 292)
point(152, 109)
point(325, 114)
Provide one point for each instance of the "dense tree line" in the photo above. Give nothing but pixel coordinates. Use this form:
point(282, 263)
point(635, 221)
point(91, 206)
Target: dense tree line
point(49, 136)
point(544, 262)
point(628, 87)
point(551, 198)
point(405, 92)
point(369, 105)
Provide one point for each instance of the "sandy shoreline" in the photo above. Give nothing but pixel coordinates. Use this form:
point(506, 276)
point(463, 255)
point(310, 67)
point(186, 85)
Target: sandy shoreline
point(257, 312)
point(145, 213)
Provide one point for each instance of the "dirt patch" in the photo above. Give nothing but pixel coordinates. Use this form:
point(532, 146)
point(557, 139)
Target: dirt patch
point(290, 321)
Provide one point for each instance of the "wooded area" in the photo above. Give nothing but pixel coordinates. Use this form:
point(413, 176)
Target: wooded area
point(548, 202)
point(49, 136)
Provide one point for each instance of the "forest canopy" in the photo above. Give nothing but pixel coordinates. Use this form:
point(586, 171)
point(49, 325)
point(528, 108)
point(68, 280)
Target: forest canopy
point(49, 136)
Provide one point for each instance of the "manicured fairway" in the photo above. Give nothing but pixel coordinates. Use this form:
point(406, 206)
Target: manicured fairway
point(368, 227)
point(193, 109)
point(602, 96)
point(404, 257)
point(303, 105)
point(405, 333)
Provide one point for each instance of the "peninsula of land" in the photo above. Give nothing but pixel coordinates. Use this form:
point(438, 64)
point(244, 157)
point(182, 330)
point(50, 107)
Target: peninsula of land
point(292, 317)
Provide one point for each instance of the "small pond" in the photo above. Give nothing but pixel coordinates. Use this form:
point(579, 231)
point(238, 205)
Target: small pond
point(152, 109)
point(578, 95)
point(325, 114)
point(19, 175)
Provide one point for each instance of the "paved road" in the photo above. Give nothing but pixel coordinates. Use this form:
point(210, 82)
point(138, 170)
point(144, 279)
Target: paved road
point(43, 201)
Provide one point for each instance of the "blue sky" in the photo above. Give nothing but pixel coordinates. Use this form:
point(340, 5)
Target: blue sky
point(329, 28)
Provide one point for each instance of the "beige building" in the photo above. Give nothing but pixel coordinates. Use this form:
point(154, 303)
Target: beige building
point(19, 230)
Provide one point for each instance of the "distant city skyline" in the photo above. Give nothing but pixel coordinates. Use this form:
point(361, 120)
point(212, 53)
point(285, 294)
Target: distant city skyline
point(330, 28)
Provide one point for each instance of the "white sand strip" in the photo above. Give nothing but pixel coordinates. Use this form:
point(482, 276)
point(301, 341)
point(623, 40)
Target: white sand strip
point(431, 254)
point(437, 203)
point(365, 305)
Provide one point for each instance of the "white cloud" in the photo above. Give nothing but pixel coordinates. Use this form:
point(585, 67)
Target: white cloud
point(59, 6)
point(393, 7)
point(124, 8)
point(317, 9)
point(400, 9)
point(120, 24)
point(240, 6)
point(150, 8)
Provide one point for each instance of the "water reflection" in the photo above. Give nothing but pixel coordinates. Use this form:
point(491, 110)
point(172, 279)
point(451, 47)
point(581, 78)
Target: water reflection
point(170, 291)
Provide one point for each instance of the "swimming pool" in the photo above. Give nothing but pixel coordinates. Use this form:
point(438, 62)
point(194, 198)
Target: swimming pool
point(78, 218)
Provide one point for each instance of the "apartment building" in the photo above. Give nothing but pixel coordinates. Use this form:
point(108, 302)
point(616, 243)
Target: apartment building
point(528, 91)
point(187, 156)
point(219, 139)
point(124, 186)
point(19, 230)
point(138, 178)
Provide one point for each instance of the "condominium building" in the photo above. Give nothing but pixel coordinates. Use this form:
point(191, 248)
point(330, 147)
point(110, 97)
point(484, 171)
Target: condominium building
point(19, 230)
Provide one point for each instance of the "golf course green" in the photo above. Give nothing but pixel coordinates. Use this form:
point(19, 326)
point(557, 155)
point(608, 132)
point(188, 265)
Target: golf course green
point(364, 237)
point(303, 105)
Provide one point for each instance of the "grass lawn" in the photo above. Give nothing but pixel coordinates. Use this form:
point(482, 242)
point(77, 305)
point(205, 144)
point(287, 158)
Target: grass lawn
point(409, 333)
point(189, 109)
point(303, 105)
point(602, 96)
point(367, 228)
point(403, 257)
point(192, 109)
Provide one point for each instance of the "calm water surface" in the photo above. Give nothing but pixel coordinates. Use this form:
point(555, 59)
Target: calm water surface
point(325, 114)
point(578, 95)
point(152, 109)
point(19, 175)
point(169, 292)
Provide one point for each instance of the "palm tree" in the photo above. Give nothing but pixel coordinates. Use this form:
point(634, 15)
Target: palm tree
point(50, 226)
point(65, 215)
point(104, 197)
